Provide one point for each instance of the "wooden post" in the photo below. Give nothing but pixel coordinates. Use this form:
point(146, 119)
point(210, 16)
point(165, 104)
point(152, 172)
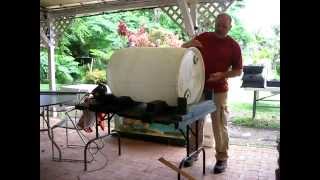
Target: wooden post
point(91, 64)
point(51, 60)
point(172, 166)
point(51, 68)
point(51, 57)
point(193, 12)
point(188, 23)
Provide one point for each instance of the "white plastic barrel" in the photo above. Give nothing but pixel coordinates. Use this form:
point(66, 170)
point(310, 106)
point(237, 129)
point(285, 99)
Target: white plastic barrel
point(148, 74)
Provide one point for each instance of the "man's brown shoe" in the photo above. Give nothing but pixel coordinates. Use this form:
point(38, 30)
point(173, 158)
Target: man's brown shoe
point(220, 167)
point(190, 161)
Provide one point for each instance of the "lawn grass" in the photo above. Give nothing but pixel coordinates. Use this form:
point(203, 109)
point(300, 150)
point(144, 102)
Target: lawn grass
point(265, 117)
point(45, 87)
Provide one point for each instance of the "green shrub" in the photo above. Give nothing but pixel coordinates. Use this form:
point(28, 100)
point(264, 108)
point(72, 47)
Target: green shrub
point(260, 122)
point(45, 81)
point(278, 69)
point(95, 76)
point(43, 67)
point(67, 69)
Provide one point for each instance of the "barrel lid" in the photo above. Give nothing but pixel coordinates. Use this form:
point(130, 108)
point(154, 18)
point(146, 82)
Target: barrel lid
point(191, 76)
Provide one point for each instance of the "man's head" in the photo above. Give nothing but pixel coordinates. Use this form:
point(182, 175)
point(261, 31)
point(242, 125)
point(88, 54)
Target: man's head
point(223, 24)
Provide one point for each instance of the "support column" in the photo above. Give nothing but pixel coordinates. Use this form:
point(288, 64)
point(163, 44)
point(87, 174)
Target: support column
point(51, 58)
point(51, 68)
point(193, 13)
point(188, 23)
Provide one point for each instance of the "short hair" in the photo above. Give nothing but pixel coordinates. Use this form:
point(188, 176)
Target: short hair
point(225, 14)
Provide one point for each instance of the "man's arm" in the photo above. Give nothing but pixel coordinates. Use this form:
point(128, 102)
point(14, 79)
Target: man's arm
point(236, 65)
point(221, 75)
point(233, 73)
point(192, 43)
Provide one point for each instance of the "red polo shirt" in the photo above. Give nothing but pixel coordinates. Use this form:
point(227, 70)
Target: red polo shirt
point(219, 55)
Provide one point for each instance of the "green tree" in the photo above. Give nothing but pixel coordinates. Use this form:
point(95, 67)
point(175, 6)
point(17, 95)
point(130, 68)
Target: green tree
point(267, 48)
point(97, 36)
point(238, 30)
point(43, 66)
point(67, 70)
point(276, 49)
point(240, 34)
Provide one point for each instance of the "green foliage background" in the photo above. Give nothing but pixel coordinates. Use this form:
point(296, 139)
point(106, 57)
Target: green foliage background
point(97, 37)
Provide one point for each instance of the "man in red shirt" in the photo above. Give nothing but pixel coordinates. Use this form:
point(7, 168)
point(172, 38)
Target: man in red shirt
point(222, 59)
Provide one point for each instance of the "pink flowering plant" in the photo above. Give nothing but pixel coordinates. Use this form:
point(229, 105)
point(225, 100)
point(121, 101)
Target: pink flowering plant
point(141, 38)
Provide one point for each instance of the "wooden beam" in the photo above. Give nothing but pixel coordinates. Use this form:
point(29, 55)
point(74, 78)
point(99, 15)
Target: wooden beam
point(111, 7)
point(172, 166)
point(188, 23)
point(44, 38)
point(52, 68)
point(193, 11)
point(51, 57)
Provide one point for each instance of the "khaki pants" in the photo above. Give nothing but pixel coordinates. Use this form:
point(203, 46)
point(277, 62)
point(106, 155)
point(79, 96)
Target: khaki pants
point(192, 138)
point(219, 126)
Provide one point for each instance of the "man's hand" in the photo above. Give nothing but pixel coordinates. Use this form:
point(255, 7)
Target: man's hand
point(223, 75)
point(216, 76)
point(196, 43)
point(192, 43)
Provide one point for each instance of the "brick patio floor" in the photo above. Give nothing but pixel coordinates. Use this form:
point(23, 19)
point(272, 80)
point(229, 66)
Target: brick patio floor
point(139, 161)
